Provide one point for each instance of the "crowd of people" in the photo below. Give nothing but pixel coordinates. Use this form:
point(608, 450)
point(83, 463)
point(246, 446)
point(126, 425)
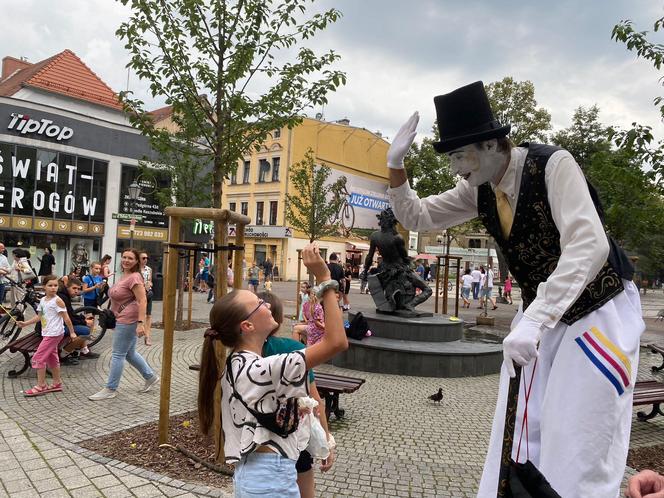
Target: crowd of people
point(130, 298)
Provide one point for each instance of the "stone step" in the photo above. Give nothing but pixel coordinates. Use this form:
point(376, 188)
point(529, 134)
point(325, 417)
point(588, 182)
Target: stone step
point(421, 358)
point(436, 328)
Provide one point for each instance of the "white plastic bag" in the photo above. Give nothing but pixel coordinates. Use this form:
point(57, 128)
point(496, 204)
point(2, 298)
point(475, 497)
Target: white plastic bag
point(317, 446)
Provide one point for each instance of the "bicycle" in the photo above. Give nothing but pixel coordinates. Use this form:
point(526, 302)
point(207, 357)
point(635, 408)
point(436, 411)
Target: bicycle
point(9, 329)
point(346, 214)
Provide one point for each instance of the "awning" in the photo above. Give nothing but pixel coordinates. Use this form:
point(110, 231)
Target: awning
point(357, 247)
point(425, 256)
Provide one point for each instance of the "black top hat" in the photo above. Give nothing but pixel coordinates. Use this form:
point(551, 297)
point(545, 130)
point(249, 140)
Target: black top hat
point(465, 117)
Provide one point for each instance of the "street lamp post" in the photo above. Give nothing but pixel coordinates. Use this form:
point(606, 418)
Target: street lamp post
point(134, 193)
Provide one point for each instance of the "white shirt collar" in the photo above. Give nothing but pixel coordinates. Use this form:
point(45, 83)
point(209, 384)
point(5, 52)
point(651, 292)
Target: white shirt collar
point(509, 182)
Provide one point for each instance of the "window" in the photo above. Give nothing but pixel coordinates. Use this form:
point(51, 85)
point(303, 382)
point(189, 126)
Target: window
point(245, 173)
point(276, 133)
point(260, 253)
point(259, 212)
point(232, 206)
point(275, 168)
point(244, 208)
point(234, 176)
point(273, 213)
point(263, 170)
point(475, 243)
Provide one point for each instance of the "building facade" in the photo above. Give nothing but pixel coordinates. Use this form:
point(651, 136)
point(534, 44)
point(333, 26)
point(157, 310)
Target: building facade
point(259, 187)
point(67, 156)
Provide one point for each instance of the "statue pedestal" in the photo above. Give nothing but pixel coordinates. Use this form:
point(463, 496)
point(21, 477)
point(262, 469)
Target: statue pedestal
point(432, 346)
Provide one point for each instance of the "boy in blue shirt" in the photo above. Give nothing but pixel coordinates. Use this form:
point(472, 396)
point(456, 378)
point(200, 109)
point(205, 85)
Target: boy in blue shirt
point(93, 285)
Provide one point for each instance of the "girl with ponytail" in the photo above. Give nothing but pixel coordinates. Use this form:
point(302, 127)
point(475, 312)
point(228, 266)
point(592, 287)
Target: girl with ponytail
point(259, 410)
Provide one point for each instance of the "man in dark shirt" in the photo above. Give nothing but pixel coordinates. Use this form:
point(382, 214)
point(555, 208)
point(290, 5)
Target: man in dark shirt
point(337, 272)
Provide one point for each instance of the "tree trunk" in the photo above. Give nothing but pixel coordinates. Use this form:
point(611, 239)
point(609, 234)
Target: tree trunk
point(180, 279)
point(180, 304)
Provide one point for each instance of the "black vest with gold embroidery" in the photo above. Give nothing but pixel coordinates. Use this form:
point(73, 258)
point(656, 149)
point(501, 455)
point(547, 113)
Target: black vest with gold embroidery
point(533, 248)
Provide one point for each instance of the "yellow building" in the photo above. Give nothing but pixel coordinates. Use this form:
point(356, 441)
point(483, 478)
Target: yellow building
point(259, 187)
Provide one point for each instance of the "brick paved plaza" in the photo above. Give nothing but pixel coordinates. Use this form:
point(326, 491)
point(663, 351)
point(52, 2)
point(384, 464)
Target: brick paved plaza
point(392, 441)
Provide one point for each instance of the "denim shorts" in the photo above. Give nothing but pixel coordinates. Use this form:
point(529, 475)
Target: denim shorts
point(465, 292)
point(265, 474)
point(486, 292)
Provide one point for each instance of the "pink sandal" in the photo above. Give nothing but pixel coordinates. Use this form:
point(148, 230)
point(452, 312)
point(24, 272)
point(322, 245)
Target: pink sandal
point(55, 388)
point(36, 391)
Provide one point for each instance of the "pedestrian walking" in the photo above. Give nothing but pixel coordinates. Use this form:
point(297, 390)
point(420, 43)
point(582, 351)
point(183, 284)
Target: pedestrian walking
point(477, 276)
point(253, 275)
point(46, 263)
point(128, 301)
point(508, 288)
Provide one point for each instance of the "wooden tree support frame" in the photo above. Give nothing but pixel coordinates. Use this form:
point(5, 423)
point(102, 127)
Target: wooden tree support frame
point(446, 265)
point(221, 218)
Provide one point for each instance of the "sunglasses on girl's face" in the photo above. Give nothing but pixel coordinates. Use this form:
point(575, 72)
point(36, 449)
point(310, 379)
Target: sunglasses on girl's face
point(261, 302)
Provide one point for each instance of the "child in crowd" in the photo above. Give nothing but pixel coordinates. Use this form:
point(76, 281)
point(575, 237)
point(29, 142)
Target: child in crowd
point(300, 329)
point(263, 438)
point(53, 315)
point(508, 288)
point(93, 285)
point(278, 345)
point(315, 320)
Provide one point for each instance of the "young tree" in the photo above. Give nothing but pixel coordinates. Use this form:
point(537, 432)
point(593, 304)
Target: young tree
point(237, 53)
point(315, 207)
point(513, 102)
point(189, 171)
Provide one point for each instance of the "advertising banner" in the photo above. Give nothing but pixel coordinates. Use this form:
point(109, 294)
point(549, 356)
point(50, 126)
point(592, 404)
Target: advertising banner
point(366, 198)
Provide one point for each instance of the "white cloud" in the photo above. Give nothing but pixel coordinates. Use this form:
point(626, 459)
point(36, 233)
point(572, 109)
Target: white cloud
point(399, 55)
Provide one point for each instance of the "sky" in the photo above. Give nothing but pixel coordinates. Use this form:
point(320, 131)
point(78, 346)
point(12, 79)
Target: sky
point(398, 55)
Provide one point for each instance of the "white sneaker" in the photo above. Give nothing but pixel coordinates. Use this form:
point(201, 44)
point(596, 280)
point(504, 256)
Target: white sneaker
point(149, 383)
point(105, 393)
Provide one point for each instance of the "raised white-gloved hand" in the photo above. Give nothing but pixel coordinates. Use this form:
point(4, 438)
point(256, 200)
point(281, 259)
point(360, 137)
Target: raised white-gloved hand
point(402, 142)
point(520, 345)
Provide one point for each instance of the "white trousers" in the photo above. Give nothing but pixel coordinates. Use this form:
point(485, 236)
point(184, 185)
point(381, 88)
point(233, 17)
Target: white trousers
point(580, 403)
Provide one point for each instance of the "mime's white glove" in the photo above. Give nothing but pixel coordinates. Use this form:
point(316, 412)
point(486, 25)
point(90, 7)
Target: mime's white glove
point(402, 142)
point(520, 345)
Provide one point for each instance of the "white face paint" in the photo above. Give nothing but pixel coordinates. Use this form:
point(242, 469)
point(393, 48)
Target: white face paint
point(478, 165)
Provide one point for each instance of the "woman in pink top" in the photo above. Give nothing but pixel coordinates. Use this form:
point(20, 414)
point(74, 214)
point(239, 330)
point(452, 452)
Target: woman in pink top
point(128, 301)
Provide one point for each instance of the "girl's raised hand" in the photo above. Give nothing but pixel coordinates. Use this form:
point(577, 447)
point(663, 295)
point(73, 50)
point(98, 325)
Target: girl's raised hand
point(313, 261)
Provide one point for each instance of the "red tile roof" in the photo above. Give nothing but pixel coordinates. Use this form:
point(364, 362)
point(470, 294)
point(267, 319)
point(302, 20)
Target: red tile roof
point(162, 113)
point(65, 74)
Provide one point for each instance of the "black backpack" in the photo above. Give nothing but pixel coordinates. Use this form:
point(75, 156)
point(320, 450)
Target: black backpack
point(358, 327)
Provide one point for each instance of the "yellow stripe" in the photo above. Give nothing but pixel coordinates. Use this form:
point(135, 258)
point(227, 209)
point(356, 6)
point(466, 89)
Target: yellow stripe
point(604, 340)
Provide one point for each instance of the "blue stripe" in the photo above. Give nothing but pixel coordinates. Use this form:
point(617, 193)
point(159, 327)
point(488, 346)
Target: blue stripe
point(600, 366)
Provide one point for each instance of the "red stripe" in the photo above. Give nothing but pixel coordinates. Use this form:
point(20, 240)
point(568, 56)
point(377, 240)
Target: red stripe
point(608, 358)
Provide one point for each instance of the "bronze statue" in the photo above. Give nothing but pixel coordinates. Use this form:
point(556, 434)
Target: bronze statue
point(393, 286)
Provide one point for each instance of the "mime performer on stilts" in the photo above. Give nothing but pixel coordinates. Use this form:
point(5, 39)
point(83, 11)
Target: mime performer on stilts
point(577, 331)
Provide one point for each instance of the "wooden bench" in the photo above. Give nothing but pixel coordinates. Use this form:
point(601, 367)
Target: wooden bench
point(649, 392)
point(27, 345)
point(330, 386)
point(657, 348)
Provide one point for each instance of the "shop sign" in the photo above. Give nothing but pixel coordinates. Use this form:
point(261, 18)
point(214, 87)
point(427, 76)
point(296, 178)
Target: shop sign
point(26, 125)
point(205, 227)
point(140, 233)
point(41, 200)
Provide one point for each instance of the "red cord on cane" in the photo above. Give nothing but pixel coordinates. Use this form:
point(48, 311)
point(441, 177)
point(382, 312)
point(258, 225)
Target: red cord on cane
point(524, 424)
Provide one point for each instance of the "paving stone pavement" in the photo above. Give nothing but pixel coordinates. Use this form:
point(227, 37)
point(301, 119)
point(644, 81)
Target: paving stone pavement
point(391, 442)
